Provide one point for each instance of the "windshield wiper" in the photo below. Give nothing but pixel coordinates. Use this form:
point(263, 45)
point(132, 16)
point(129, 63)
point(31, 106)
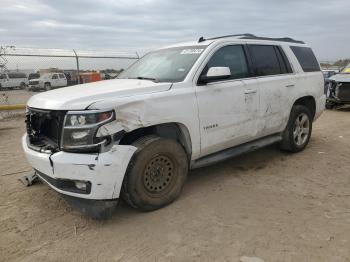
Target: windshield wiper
point(145, 78)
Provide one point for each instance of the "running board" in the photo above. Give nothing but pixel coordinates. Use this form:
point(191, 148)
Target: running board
point(235, 151)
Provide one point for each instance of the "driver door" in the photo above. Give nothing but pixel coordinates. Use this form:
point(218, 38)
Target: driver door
point(228, 108)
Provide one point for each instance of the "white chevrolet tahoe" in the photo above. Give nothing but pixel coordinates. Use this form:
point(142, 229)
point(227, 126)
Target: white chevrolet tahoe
point(47, 82)
point(180, 107)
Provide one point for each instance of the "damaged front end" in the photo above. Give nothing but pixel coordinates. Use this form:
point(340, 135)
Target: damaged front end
point(338, 93)
point(338, 89)
point(77, 152)
point(44, 129)
point(51, 131)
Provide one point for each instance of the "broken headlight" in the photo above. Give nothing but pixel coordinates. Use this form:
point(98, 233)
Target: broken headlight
point(80, 128)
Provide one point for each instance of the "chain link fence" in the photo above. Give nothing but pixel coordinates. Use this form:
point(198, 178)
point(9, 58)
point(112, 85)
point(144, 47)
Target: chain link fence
point(26, 71)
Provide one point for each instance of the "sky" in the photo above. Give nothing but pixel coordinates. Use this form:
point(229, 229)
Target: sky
point(147, 24)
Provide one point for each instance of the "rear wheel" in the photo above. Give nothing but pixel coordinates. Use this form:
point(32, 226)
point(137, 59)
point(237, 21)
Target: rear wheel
point(156, 173)
point(298, 131)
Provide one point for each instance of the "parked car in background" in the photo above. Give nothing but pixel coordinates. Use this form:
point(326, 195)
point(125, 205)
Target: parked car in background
point(48, 82)
point(13, 80)
point(327, 73)
point(33, 76)
point(178, 108)
point(338, 89)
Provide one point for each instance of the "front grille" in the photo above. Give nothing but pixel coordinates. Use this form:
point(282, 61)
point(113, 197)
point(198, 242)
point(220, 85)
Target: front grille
point(34, 82)
point(44, 129)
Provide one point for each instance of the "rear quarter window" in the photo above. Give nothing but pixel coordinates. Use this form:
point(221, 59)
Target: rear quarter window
point(306, 58)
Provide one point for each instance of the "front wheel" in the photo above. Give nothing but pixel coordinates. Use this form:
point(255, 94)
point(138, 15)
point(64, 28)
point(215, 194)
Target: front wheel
point(47, 86)
point(156, 173)
point(298, 131)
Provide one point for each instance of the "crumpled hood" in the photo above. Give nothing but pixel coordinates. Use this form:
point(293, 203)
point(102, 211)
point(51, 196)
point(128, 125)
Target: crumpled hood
point(341, 78)
point(80, 97)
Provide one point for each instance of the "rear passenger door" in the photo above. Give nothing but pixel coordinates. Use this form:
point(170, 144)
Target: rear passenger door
point(275, 77)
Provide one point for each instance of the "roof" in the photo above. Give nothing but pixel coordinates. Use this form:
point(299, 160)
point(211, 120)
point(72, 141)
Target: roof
point(239, 37)
point(254, 37)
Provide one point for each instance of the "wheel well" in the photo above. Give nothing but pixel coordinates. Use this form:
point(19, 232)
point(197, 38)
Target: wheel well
point(309, 102)
point(176, 131)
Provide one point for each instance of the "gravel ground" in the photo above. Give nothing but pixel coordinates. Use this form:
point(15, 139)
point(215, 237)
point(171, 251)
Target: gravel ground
point(266, 204)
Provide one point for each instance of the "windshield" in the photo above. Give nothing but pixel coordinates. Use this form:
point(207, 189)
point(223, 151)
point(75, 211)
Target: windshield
point(166, 65)
point(346, 70)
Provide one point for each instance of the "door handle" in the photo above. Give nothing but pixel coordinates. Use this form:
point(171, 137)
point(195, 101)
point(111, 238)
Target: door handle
point(292, 85)
point(250, 91)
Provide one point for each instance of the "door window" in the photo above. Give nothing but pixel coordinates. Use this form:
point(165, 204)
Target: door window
point(62, 76)
point(54, 77)
point(232, 56)
point(265, 60)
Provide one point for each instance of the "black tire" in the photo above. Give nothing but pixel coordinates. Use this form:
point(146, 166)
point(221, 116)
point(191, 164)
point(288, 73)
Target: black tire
point(156, 173)
point(289, 141)
point(47, 86)
point(330, 105)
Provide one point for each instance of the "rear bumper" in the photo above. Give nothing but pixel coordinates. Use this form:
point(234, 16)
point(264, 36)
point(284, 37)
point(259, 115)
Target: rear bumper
point(104, 172)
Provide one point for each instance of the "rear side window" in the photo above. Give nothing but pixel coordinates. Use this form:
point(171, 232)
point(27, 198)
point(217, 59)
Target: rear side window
point(2, 76)
point(232, 56)
point(306, 58)
point(54, 77)
point(265, 60)
point(62, 76)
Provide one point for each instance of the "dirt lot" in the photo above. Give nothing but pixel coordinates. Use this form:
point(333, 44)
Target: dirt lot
point(266, 204)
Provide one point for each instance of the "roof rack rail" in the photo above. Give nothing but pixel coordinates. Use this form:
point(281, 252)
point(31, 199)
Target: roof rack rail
point(251, 36)
point(202, 39)
point(279, 39)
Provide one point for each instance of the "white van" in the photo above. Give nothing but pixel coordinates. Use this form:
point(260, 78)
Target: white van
point(179, 107)
point(13, 80)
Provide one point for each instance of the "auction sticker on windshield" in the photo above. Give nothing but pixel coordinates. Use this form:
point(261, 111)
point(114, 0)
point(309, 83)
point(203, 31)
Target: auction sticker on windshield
point(191, 51)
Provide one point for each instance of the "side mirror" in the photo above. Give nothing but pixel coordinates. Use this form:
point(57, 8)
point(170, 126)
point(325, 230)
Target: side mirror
point(215, 73)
